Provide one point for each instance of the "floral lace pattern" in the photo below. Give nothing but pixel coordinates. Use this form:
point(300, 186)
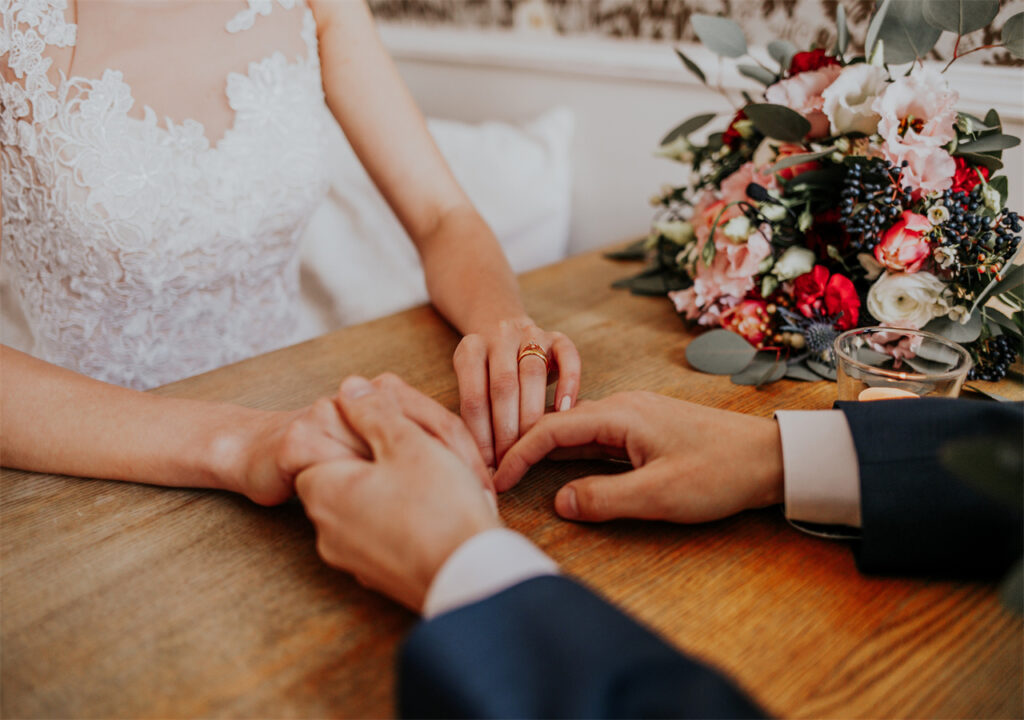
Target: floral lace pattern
point(140, 253)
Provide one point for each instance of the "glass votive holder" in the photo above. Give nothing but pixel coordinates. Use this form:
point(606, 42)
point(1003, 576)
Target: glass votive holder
point(879, 363)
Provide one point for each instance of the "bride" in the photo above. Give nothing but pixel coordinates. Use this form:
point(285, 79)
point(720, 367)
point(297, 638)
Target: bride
point(158, 163)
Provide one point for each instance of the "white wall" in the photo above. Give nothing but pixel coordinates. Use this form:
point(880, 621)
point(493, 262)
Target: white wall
point(625, 95)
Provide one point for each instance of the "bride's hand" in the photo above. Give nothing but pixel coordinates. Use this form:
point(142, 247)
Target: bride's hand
point(502, 390)
point(279, 446)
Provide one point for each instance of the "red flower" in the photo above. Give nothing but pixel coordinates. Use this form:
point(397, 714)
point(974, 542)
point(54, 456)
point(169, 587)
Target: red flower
point(749, 319)
point(905, 247)
point(816, 293)
point(731, 136)
point(810, 60)
point(966, 176)
point(841, 297)
point(787, 149)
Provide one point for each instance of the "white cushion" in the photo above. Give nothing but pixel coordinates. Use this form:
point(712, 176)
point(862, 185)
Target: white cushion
point(357, 261)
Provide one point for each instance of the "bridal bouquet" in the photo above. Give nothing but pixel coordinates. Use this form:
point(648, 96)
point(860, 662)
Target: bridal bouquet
point(850, 194)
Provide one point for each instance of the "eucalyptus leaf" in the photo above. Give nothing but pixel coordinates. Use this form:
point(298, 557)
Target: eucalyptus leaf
point(634, 251)
point(755, 72)
point(1004, 322)
point(647, 283)
point(990, 395)
point(988, 161)
point(872, 357)
point(994, 464)
point(1011, 589)
point(927, 367)
point(842, 31)
point(720, 35)
point(688, 126)
point(799, 371)
point(1012, 279)
point(823, 369)
point(692, 66)
point(778, 121)
point(988, 143)
point(765, 368)
point(782, 52)
point(952, 330)
point(960, 16)
point(1012, 35)
point(938, 353)
point(720, 352)
point(992, 118)
point(799, 159)
point(875, 26)
point(905, 34)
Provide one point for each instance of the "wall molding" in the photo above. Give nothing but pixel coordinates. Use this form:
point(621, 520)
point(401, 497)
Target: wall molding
point(980, 86)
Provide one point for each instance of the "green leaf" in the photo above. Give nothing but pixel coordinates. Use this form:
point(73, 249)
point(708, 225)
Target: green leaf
point(842, 31)
point(799, 371)
point(778, 121)
point(719, 352)
point(1012, 279)
point(765, 368)
point(952, 330)
point(992, 118)
point(905, 34)
point(1006, 323)
point(782, 52)
point(721, 35)
point(824, 370)
point(988, 161)
point(791, 160)
point(692, 66)
point(1001, 185)
point(754, 72)
point(990, 395)
point(688, 126)
point(633, 251)
point(875, 26)
point(987, 144)
point(1012, 35)
point(960, 16)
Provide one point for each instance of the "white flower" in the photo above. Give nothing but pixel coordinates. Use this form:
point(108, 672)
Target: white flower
point(960, 314)
point(990, 196)
point(907, 300)
point(944, 256)
point(848, 100)
point(872, 267)
point(737, 229)
point(795, 262)
point(774, 212)
point(678, 231)
point(679, 149)
point(938, 214)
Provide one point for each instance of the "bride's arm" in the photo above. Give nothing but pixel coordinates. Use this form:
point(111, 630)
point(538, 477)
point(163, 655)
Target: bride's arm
point(55, 420)
point(467, 275)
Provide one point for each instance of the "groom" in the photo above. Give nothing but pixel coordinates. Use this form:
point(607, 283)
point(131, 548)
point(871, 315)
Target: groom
point(505, 635)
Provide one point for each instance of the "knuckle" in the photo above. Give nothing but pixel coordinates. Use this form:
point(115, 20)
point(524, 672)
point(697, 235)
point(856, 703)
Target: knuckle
point(474, 405)
point(470, 345)
point(504, 384)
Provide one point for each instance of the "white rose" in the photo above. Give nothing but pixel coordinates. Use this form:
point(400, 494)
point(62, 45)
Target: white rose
point(678, 231)
point(796, 261)
point(907, 300)
point(848, 100)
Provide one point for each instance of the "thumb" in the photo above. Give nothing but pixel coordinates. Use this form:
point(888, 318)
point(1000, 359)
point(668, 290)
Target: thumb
point(596, 498)
point(374, 416)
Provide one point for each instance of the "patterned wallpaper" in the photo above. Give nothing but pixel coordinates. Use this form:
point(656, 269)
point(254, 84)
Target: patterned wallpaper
point(804, 22)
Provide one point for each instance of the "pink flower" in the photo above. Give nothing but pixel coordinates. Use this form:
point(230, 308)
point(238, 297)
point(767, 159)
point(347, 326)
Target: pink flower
point(749, 319)
point(904, 247)
point(802, 93)
point(900, 346)
point(917, 114)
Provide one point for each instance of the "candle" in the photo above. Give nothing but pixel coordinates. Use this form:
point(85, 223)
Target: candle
point(884, 393)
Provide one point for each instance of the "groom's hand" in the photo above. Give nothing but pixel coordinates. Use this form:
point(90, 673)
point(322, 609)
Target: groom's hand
point(691, 463)
point(392, 519)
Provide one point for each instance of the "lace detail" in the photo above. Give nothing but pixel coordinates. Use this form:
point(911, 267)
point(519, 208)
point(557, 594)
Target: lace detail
point(140, 253)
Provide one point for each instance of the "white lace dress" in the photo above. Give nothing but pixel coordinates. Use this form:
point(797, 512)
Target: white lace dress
point(140, 252)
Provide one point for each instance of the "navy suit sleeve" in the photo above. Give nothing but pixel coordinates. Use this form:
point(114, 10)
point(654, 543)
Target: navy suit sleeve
point(917, 518)
point(548, 647)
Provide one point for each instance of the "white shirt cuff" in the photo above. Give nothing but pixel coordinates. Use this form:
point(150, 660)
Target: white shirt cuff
point(822, 478)
point(483, 566)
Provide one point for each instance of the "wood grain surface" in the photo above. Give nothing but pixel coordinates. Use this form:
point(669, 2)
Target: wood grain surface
point(121, 600)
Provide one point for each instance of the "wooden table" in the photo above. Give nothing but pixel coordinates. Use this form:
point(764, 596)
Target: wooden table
point(124, 600)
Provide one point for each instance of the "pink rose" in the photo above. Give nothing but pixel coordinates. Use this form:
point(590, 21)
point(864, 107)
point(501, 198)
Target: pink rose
point(917, 114)
point(802, 93)
point(749, 319)
point(904, 247)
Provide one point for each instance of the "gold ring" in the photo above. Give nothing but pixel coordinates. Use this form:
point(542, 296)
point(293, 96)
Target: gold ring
point(533, 348)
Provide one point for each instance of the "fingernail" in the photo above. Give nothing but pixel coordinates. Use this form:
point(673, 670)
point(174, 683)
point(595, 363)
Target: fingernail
point(571, 508)
point(565, 404)
point(356, 387)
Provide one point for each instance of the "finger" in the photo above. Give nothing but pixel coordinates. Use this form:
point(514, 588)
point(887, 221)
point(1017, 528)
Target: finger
point(566, 358)
point(634, 494)
point(375, 416)
point(438, 421)
point(503, 372)
point(533, 382)
point(470, 363)
point(579, 427)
